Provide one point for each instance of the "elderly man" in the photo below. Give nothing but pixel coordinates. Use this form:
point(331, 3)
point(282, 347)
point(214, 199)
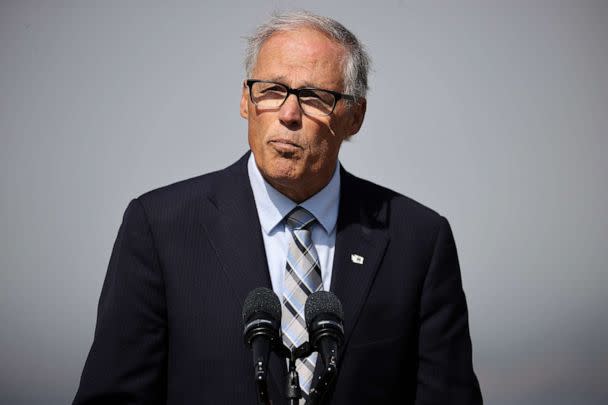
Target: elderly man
point(286, 216)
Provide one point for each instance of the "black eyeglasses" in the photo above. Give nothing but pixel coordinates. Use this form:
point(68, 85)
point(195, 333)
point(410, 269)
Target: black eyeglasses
point(268, 95)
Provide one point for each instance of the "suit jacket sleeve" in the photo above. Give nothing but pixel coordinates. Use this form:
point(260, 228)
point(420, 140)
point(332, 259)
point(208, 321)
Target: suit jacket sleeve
point(445, 374)
point(127, 361)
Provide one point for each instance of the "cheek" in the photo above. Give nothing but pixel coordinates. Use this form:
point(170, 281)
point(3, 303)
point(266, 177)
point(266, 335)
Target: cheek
point(329, 141)
point(322, 150)
point(256, 130)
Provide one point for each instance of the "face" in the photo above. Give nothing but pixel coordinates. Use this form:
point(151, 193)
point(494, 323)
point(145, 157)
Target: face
point(296, 153)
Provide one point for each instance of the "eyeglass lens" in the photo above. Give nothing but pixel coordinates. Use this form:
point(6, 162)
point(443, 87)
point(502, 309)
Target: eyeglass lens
point(272, 96)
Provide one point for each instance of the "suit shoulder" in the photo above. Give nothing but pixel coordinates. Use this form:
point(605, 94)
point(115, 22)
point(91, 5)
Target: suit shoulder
point(394, 208)
point(198, 184)
point(397, 200)
point(190, 191)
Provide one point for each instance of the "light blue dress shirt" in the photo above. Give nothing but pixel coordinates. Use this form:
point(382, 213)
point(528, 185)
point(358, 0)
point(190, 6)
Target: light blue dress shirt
point(272, 207)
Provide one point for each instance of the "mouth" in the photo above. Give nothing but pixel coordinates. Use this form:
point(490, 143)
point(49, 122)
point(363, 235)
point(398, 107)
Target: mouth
point(284, 145)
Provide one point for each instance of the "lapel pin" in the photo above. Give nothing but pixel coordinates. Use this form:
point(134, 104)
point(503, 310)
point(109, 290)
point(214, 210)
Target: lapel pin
point(356, 259)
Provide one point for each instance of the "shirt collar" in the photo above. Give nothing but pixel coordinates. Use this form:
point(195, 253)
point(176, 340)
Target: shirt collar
point(273, 206)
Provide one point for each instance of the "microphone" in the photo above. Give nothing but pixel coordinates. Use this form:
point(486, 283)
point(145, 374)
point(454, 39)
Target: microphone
point(324, 321)
point(262, 320)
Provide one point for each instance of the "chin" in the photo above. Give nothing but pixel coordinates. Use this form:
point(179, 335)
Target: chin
point(284, 164)
point(283, 175)
point(284, 172)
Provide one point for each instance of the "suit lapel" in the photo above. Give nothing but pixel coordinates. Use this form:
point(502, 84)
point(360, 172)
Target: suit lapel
point(232, 225)
point(361, 241)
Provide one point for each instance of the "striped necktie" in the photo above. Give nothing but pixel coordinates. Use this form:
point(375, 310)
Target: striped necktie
point(302, 278)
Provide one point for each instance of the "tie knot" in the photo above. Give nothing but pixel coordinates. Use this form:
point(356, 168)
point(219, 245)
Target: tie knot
point(299, 218)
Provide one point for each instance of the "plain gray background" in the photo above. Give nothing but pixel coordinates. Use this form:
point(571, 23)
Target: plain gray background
point(492, 113)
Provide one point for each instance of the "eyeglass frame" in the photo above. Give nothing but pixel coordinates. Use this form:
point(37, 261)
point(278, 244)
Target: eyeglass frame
point(296, 92)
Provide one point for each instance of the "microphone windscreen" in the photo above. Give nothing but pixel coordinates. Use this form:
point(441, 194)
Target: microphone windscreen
point(262, 299)
point(322, 302)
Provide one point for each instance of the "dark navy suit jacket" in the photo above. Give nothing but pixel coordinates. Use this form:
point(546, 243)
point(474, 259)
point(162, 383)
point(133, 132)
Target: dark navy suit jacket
point(169, 327)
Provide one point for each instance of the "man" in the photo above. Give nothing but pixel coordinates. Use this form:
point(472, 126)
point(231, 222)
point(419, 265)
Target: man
point(287, 217)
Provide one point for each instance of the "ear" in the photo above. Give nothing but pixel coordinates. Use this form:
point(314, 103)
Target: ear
point(245, 102)
point(357, 116)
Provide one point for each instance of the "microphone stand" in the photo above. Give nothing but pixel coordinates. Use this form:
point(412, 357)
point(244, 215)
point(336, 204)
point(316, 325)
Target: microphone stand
point(292, 389)
point(293, 392)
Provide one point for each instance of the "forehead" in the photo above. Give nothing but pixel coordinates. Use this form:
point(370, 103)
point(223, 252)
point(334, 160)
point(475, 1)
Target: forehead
point(301, 57)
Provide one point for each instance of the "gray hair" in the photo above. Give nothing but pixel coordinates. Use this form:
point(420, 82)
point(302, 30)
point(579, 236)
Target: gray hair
point(356, 64)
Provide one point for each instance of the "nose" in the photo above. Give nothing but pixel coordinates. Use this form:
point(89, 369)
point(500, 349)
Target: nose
point(290, 114)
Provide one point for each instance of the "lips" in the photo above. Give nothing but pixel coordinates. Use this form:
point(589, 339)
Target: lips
point(284, 145)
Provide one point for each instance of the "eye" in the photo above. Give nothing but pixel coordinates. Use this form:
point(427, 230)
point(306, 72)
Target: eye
point(268, 94)
point(276, 89)
point(319, 100)
point(268, 91)
point(309, 94)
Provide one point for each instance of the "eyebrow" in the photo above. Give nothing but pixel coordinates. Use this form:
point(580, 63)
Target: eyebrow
point(283, 79)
